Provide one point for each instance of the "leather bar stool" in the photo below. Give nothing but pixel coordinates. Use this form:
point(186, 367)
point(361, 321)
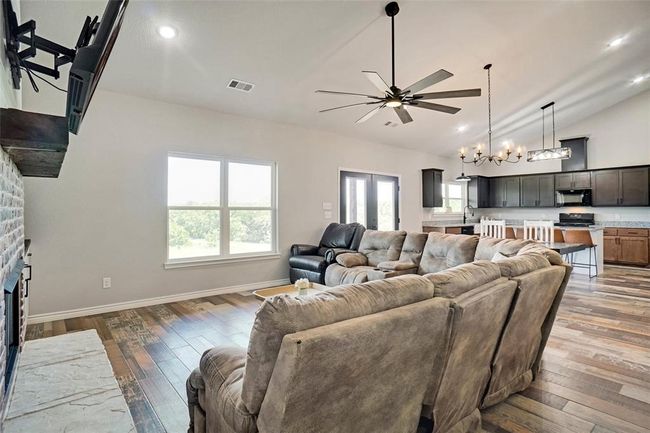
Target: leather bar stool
point(558, 236)
point(583, 237)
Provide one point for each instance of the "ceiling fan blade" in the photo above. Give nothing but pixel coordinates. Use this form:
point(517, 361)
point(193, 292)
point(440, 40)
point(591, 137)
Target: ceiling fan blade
point(332, 92)
point(377, 81)
point(430, 80)
point(466, 93)
point(403, 115)
point(371, 113)
point(349, 105)
point(435, 107)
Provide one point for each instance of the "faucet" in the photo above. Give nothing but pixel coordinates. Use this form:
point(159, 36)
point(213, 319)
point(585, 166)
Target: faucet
point(467, 207)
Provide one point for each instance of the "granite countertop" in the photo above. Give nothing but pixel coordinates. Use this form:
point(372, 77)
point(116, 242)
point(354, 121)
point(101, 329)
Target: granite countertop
point(443, 224)
point(626, 224)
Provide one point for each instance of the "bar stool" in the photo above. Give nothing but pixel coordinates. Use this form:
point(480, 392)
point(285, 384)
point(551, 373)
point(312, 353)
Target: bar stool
point(493, 228)
point(558, 236)
point(510, 233)
point(583, 237)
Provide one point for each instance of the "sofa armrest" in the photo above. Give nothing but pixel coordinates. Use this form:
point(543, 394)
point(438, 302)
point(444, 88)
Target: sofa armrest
point(350, 260)
point(304, 250)
point(396, 265)
point(332, 253)
point(220, 362)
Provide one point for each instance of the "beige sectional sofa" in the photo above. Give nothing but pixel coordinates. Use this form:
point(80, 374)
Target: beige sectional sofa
point(464, 330)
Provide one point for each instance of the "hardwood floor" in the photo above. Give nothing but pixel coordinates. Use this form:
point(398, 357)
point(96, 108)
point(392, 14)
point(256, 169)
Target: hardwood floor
point(595, 378)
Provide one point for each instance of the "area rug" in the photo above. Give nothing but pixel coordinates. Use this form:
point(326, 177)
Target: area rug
point(66, 384)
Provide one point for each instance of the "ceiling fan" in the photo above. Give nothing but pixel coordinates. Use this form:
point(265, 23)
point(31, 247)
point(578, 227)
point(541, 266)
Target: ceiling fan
point(396, 98)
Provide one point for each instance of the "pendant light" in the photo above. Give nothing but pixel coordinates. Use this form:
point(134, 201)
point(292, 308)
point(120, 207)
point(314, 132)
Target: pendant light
point(552, 153)
point(479, 157)
point(462, 177)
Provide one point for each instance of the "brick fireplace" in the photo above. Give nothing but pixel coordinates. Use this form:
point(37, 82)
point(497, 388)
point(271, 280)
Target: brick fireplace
point(12, 251)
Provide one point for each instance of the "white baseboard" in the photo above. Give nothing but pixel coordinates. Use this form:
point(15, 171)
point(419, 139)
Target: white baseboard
point(89, 311)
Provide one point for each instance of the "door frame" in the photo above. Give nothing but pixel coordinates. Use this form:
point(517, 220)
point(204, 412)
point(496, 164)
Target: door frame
point(378, 173)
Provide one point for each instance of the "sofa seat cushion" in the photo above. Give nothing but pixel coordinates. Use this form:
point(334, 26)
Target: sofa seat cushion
point(453, 282)
point(308, 263)
point(381, 246)
point(285, 314)
point(488, 247)
point(337, 275)
point(519, 265)
point(443, 251)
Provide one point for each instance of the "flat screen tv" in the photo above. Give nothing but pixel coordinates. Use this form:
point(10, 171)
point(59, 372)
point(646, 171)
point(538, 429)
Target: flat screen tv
point(89, 63)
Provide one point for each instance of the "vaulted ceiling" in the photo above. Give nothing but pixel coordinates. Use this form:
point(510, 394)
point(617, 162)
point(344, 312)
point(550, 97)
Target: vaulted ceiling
point(541, 51)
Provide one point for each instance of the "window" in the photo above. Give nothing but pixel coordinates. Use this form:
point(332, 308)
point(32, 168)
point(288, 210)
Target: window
point(453, 198)
point(219, 208)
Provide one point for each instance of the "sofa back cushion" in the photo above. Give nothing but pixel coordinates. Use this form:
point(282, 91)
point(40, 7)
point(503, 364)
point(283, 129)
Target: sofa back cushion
point(488, 247)
point(522, 337)
point(453, 282)
point(342, 377)
point(443, 251)
point(552, 256)
point(381, 246)
point(479, 317)
point(285, 314)
point(413, 247)
point(339, 235)
point(518, 265)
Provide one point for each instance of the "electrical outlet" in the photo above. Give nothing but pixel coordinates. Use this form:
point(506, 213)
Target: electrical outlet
point(106, 283)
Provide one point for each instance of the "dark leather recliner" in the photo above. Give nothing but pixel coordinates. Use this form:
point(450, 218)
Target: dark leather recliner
point(310, 261)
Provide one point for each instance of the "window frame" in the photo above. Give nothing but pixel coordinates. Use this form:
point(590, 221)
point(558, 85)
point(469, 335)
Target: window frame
point(224, 255)
point(445, 199)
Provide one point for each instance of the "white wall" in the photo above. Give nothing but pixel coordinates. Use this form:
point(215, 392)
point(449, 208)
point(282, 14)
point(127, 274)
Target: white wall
point(618, 136)
point(105, 215)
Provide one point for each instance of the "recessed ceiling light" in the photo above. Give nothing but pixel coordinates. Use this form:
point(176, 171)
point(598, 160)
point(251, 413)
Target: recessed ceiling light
point(638, 79)
point(616, 42)
point(167, 32)
point(461, 128)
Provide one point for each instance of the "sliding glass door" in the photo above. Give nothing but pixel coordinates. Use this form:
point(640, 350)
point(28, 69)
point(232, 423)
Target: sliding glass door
point(369, 199)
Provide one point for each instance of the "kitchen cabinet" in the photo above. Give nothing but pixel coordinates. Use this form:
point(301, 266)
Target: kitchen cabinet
point(538, 191)
point(478, 192)
point(504, 191)
point(431, 187)
point(627, 246)
point(569, 181)
point(512, 190)
point(621, 187)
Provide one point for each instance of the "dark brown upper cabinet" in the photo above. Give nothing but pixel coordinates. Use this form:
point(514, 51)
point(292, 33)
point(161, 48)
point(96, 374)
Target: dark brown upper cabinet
point(621, 187)
point(569, 181)
point(504, 191)
point(431, 187)
point(538, 191)
point(478, 192)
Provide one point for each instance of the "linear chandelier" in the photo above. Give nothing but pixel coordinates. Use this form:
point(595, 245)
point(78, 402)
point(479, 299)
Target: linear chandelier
point(481, 158)
point(551, 153)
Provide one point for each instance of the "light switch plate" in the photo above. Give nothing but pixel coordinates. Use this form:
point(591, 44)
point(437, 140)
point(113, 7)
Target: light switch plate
point(327, 215)
point(327, 205)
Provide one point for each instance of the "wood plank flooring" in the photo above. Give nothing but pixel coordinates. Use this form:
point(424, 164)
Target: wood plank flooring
point(595, 371)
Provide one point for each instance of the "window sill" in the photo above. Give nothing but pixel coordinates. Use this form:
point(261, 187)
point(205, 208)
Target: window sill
point(189, 263)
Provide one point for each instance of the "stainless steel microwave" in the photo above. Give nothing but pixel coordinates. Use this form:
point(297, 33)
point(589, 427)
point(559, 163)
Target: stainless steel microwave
point(576, 197)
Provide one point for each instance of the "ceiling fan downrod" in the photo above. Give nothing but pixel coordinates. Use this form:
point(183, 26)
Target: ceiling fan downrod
point(392, 9)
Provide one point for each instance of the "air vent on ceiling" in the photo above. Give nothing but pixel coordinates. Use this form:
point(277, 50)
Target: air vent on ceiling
point(241, 85)
point(391, 124)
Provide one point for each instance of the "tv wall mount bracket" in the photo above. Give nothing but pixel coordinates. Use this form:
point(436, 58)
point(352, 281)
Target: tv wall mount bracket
point(26, 34)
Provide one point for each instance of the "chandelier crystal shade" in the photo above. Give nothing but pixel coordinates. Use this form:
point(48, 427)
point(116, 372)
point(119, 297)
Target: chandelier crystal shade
point(544, 154)
point(480, 157)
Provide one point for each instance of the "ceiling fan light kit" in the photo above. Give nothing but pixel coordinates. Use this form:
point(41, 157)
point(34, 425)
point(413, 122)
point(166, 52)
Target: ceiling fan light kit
point(479, 157)
point(398, 99)
point(544, 154)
